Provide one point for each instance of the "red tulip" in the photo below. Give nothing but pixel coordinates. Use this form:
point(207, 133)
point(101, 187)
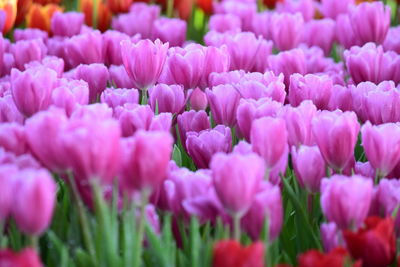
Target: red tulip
point(374, 244)
point(230, 253)
point(25, 258)
point(338, 257)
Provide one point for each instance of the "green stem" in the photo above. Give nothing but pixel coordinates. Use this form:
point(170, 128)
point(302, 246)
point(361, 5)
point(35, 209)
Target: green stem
point(140, 234)
point(34, 242)
point(236, 226)
point(260, 5)
point(2, 239)
point(95, 13)
point(170, 8)
point(84, 222)
point(144, 96)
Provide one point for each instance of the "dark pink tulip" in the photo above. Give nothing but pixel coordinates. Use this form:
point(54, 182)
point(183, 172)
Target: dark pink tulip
point(267, 205)
point(70, 94)
point(223, 100)
point(184, 66)
point(331, 236)
point(93, 148)
point(333, 8)
point(112, 47)
point(390, 69)
point(320, 33)
point(237, 179)
point(382, 146)
point(302, 159)
point(133, 117)
point(37, 191)
point(145, 160)
point(170, 30)
point(41, 128)
point(336, 135)
point(268, 137)
point(32, 89)
point(344, 32)
point(364, 169)
point(345, 200)
point(13, 139)
point(119, 77)
point(198, 100)
point(305, 7)
point(26, 51)
point(29, 34)
point(392, 40)
point(203, 145)
point(66, 24)
point(9, 111)
point(249, 110)
point(376, 14)
point(119, 97)
point(191, 193)
point(364, 63)
point(298, 123)
point(224, 23)
point(286, 30)
point(77, 52)
point(245, 10)
point(167, 98)
point(217, 60)
point(144, 61)
point(144, 15)
point(192, 121)
point(96, 75)
point(161, 122)
point(317, 88)
point(51, 62)
point(7, 185)
point(288, 62)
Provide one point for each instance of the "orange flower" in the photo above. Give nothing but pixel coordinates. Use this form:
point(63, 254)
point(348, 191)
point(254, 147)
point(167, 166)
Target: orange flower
point(10, 7)
point(119, 6)
point(40, 16)
point(45, 2)
point(23, 7)
point(104, 15)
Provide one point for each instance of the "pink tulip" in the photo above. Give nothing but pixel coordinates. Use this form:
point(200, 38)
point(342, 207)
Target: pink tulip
point(387, 197)
point(305, 7)
point(26, 51)
point(392, 40)
point(96, 75)
point(298, 123)
point(320, 33)
point(344, 32)
point(37, 191)
point(331, 236)
point(203, 145)
point(260, 24)
point(30, 34)
point(376, 14)
point(382, 146)
point(245, 10)
point(7, 185)
point(67, 24)
point(237, 179)
point(167, 98)
point(269, 139)
point(8, 110)
point(286, 30)
point(120, 78)
point(145, 160)
point(118, 97)
point(308, 177)
point(51, 62)
point(346, 200)
point(170, 30)
point(312, 87)
point(184, 66)
point(13, 138)
point(267, 206)
point(112, 47)
point(336, 135)
point(217, 60)
point(70, 94)
point(249, 110)
point(192, 121)
point(144, 61)
point(224, 100)
point(224, 23)
point(198, 100)
point(32, 89)
point(333, 8)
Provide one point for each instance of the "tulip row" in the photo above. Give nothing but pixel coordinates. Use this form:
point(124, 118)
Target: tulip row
point(135, 147)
